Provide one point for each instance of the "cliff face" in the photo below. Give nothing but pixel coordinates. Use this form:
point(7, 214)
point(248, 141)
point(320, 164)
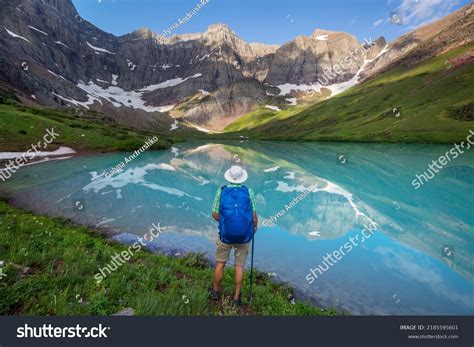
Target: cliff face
point(56, 58)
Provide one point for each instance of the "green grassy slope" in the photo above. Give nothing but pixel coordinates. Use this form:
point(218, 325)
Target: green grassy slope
point(434, 101)
point(50, 266)
point(22, 126)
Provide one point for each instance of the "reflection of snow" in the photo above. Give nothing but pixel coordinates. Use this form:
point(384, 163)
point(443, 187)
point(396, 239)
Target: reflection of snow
point(168, 167)
point(32, 154)
point(314, 233)
point(286, 188)
point(133, 176)
point(203, 181)
point(329, 188)
point(47, 159)
point(335, 189)
point(105, 221)
point(272, 169)
point(175, 151)
point(202, 148)
point(290, 175)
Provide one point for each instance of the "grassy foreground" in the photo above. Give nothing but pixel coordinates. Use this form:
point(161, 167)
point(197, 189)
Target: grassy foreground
point(431, 102)
point(50, 266)
point(21, 126)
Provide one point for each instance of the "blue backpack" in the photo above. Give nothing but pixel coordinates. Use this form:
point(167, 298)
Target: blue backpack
point(235, 215)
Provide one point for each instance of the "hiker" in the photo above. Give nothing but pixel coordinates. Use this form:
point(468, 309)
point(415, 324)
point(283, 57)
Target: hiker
point(234, 209)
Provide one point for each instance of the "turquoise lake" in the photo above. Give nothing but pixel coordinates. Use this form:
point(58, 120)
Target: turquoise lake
point(417, 261)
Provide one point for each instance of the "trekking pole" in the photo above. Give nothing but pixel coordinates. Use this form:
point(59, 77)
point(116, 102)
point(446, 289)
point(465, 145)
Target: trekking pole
point(251, 269)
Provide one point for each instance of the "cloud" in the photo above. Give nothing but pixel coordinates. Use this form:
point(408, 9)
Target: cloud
point(378, 22)
point(418, 12)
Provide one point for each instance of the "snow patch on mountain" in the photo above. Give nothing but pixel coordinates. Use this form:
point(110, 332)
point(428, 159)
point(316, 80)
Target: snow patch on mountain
point(85, 104)
point(35, 29)
point(292, 101)
point(114, 80)
point(272, 169)
point(119, 97)
point(56, 75)
point(98, 49)
point(335, 88)
point(274, 108)
point(174, 126)
point(131, 65)
point(204, 93)
point(61, 43)
point(340, 87)
point(287, 88)
point(12, 34)
point(170, 83)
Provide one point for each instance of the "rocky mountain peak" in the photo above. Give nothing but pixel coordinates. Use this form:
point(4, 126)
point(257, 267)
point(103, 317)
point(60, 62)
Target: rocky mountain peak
point(321, 32)
point(220, 27)
point(143, 33)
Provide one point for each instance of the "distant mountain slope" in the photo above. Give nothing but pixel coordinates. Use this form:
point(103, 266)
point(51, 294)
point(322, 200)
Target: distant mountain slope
point(429, 102)
point(448, 33)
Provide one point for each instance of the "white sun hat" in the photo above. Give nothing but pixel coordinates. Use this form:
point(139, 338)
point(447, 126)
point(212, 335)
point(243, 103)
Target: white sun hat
point(236, 175)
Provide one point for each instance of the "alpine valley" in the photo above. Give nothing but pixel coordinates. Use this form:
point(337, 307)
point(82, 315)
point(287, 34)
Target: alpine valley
point(325, 86)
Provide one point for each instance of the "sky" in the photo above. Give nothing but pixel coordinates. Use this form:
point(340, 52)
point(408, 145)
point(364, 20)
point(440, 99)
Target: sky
point(268, 21)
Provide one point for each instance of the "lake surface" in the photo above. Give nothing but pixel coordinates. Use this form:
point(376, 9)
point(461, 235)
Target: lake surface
point(417, 261)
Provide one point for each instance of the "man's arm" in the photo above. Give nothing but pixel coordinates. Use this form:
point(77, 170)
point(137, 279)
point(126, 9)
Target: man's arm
point(215, 205)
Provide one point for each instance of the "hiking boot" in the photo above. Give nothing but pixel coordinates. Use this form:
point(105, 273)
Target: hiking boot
point(237, 302)
point(213, 294)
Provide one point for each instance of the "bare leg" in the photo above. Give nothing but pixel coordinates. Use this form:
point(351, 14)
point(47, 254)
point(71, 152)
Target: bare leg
point(218, 273)
point(239, 277)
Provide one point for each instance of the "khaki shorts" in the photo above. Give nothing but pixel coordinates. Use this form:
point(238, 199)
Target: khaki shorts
point(241, 251)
